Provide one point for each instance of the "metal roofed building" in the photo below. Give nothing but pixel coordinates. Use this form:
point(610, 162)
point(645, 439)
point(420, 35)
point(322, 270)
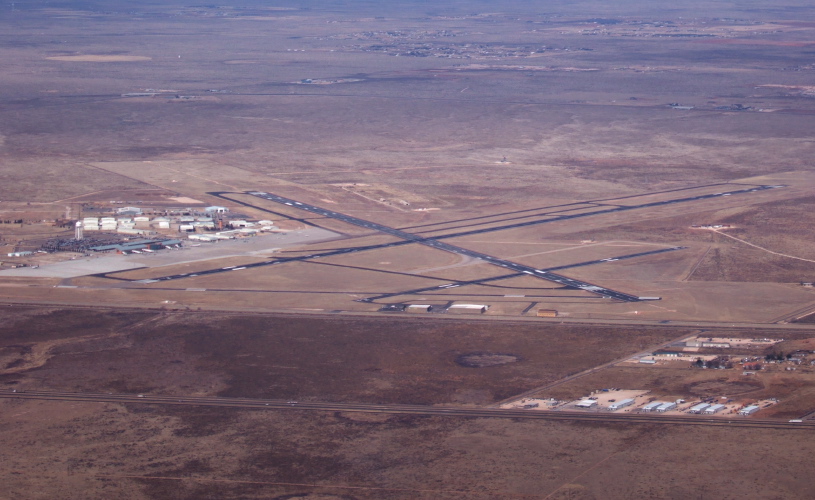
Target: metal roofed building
point(23, 253)
point(128, 211)
point(652, 406)
point(419, 308)
point(665, 407)
point(216, 210)
point(749, 410)
point(713, 409)
point(621, 404)
point(586, 403)
point(468, 308)
point(699, 408)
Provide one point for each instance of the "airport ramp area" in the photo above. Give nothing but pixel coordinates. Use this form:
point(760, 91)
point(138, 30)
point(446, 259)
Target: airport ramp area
point(109, 263)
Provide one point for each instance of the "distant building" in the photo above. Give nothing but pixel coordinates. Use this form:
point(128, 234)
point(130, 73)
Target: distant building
point(586, 403)
point(547, 313)
point(668, 354)
point(20, 254)
point(621, 404)
point(203, 237)
point(216, 210)
point(699, 408)
point(392, 308)
point(665, 407)
point(720, 345)
point(128, 211)
point(468, 309)
point(419, 308)
point(710, 410)
point(749, 410)
point(651, 406)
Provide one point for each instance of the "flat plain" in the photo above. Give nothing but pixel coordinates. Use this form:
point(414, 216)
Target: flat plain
point(657, 152)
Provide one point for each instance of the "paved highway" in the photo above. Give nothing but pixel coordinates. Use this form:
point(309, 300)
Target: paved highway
point(440, 245)
point(443, 411)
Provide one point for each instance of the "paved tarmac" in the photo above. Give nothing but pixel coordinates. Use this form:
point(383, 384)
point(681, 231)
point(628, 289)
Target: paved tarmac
point(261, 245)
point(440, 245)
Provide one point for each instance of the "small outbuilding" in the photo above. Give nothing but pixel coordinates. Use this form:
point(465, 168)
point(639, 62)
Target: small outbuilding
point(749, 410)
point(713, 409)
point(652, 406)
point(468, 308)
point(419, 308)
point(699, 408)
point(20, 254)
point(666, 407)
point(621, 404)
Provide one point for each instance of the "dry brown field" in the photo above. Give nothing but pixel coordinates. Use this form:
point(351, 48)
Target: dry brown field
point(435, 118)
point(386, 359)
point(148, 451)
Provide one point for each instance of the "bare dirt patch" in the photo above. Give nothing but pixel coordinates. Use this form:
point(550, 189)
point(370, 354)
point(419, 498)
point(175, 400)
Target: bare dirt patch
point(485, 359)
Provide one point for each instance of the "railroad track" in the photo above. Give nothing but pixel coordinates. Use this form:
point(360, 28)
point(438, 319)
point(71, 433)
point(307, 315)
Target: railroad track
point(404, 409)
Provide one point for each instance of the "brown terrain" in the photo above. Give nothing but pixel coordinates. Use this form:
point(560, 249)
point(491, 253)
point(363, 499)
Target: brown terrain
point(436, 119)
point(139, 451)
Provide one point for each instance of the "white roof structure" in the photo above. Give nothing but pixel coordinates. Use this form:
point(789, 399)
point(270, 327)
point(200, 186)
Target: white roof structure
point(749, 410)
point(699, 408)
point(714, 409)
point(202, 237)
point(666, 406)
point(128, 210)
point(621, 404)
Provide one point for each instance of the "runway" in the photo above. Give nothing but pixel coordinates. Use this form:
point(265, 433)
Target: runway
point(440, 245)
point(405, 238)
point(456, 284)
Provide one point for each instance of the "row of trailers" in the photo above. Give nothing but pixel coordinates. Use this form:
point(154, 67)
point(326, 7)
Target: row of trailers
point(699, 409)
point(663, 406)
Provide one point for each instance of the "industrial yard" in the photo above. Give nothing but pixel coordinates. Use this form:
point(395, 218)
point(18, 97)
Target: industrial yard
point(640, 401)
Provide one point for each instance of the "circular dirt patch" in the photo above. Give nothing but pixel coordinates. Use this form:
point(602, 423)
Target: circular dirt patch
point(485, 359)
